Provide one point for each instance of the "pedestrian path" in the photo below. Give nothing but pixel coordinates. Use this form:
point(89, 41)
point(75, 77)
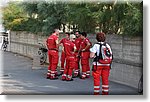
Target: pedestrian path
point(19, 78)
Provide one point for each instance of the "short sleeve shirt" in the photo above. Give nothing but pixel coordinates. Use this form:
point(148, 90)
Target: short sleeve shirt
point(77, 43)
point(84, 43)
point(69, 48)
point(51, 41)
point(63, 40)
point(95, 48)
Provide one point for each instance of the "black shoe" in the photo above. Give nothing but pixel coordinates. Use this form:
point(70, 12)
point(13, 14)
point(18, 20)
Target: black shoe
point(87, 76)
point(63, 79)
point(54, 78)
point(70, 80)
point(82, 77)
point(48, 78)
point(76, 76)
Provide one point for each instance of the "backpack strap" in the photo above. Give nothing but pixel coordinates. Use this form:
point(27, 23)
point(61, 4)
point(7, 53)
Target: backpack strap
point(97, 57)
point(100, 48)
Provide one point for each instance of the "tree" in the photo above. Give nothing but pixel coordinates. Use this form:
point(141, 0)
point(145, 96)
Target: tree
point(47, 16)
point(133, 22)
point(14, 16)
point(111, 18)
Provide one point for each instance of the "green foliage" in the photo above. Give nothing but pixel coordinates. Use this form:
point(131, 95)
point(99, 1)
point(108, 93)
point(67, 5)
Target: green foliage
point(14, 17)
point(81, 16)
point(45, 16)
point(118, 18)
point(132, 24)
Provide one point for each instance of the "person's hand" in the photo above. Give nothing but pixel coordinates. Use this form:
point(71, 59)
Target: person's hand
point(63, 49)
point(77, 56)
point(83, 50)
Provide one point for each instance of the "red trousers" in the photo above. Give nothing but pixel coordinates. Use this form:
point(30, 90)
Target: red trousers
point(63, 57)
point(103, 72)
point(53, 61)
point(70, 64)
point(77, 66)
point(85, 64)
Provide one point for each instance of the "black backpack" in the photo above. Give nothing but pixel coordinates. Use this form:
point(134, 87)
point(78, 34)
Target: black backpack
point(105, 56)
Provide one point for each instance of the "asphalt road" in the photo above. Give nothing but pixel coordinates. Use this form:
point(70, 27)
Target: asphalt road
point(18, 77)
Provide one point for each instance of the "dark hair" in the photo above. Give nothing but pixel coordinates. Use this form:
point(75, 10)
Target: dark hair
point(67, 33)
point(100, 37)
point(72, 32)
point(84, 34)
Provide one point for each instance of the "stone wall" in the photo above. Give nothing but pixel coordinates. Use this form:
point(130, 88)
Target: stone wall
point(127, 65)
point(25, 43)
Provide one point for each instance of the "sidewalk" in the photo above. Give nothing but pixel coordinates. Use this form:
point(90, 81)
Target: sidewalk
point(18, 78)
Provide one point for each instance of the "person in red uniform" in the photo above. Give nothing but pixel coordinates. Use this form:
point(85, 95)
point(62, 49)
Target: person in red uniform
point(63, 56)
point(85, 55)
point(77, 53)
point(99, 69)
point(69, 48)
point(52, 45)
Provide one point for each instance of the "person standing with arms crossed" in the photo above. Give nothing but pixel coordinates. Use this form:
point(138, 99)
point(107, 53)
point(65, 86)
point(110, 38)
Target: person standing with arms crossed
point(53, 45)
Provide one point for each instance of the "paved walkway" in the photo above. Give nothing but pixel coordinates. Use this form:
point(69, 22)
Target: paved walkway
point(18, 78)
